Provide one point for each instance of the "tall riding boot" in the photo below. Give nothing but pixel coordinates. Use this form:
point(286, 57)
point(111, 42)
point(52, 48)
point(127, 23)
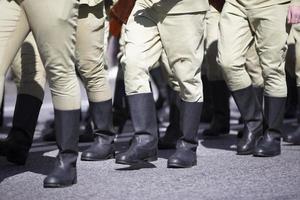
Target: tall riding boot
point(102, 148)
point(269, 144)
point(144, 143)
point(173, 132)
point(18, 142)
point(252, 115)
point(185, 155)
point(221, 111)
point(66, 130)
point(294, 137)
point(259, 93)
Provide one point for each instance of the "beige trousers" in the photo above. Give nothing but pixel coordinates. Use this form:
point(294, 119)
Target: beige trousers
point(54, 34)
point(214, 70)
point(148, 34)
point(267, 28)
point(89, 58)
point(28, 70)
point(296, 35)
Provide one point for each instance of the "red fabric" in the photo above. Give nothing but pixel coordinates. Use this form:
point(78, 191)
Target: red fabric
point(122, 9)
point(218, 4)
point(115, 27)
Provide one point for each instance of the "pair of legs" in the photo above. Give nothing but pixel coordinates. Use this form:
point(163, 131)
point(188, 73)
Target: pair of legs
point(148, 34)
point(266, 27)
point(89, 53)
point(58, 56)
point(294, 137)
point(220, 93)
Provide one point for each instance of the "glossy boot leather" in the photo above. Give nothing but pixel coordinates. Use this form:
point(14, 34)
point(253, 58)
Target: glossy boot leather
point(102, 148)
point(294, 136)
point(252, 115)
point(185, 154)
point(221, 112)
point(66, 129)
point(259, 91)
point(173, 133)
point(143, 146)
point(269, 144)
point(18, 142)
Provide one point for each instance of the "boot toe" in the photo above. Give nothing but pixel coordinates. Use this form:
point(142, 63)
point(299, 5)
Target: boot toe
point(244, 150)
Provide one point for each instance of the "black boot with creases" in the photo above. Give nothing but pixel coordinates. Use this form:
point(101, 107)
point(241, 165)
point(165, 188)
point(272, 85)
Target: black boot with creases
point(269, 144)
point(143, 146)
point(67, 135)
point(185, 155)
point(19, 140)
point(102, 148)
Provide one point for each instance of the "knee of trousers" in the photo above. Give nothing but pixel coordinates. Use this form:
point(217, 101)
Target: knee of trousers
point(275, 82)
point(188, 75)
point(65, 91)
point(234, 73)
point(136, 76)
point(95, 79)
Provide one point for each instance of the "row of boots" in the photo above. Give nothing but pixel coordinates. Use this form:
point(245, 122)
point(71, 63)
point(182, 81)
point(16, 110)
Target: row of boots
point(261, 135)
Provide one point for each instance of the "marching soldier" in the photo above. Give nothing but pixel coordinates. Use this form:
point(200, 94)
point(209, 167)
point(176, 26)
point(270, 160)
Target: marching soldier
point(150, 30)
point(294, 137)
point(263, 22)
point(89, 51)
point(55, 39)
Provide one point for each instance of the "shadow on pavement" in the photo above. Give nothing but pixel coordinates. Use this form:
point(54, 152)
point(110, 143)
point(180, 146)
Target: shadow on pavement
point(36, 163)
point(224, 142)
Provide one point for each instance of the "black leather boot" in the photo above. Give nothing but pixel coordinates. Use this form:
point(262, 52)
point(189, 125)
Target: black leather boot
point(66, 130)
point(269, 144)
point(144, 143)
point(221, 111)
point(102, 148)
point(252, 115)
point(259, 92)
point(185, 155)
point(173, 133)
point(18, 142)
point(294, 137)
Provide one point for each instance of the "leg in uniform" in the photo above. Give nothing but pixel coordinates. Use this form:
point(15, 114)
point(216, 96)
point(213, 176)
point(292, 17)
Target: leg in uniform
point(147, 35)
point(30, 77)
point(264, 23)
point(54, 33)
point(294, 137)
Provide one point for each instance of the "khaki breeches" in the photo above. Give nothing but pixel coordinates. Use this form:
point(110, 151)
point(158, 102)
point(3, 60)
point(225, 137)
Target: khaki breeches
point(294, 67)
point(90, 52)
point(28, 70)
point(89, 58)
point(148, 34)
point(53, 24)
point(214, 71)
point(266, 27)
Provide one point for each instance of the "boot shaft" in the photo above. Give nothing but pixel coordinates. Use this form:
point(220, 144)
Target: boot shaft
point(67, 131)
point(190, 113)
point(143, 114)
point(101, 114)
point(274, 113)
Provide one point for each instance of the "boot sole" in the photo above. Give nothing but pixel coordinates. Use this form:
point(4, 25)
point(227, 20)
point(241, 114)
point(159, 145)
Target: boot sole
point(124, 162)
point(180, 166)
point(265, 155)
point(244, 153)
point(95, 159)
point(51, 185)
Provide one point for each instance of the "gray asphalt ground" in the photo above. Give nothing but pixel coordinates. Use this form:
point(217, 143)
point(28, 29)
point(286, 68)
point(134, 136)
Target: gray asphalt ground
point(220, 173)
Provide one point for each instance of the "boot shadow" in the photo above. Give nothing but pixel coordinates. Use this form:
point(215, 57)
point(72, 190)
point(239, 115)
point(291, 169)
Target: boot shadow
point(36, 163)
point(224, 142)
point(137, 166)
